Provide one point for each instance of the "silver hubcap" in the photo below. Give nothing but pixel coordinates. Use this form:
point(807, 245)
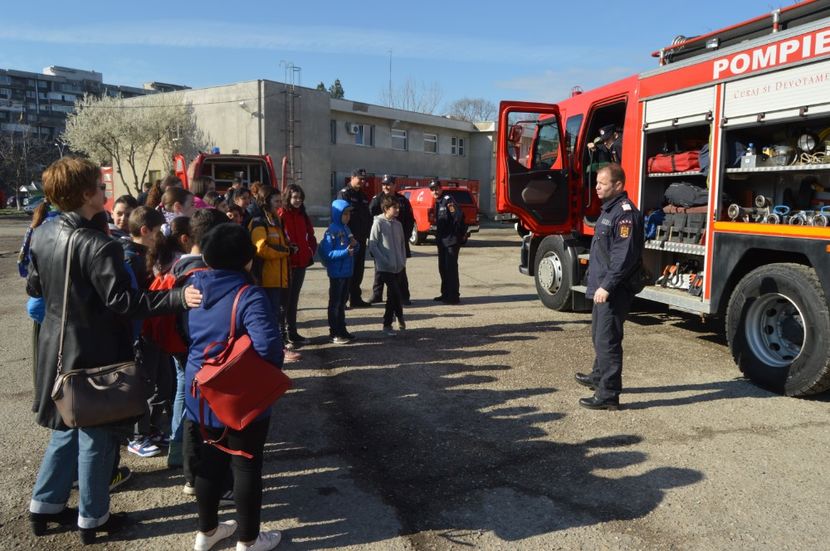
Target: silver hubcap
point(775, 330)
point(550, 273)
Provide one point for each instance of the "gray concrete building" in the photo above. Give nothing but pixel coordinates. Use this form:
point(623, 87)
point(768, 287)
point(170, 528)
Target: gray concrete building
point(325, 138)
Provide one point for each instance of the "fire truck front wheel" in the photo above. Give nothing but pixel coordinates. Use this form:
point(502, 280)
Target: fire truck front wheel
point(417, 237)
point(778, 328)
point(553, 274)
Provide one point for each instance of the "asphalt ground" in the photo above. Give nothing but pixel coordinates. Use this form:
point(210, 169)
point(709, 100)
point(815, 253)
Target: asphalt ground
point(465, 433)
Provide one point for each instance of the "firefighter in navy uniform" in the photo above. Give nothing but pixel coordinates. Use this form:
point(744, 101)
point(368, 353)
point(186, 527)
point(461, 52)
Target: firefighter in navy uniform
point(360, 224)
point(449, 221)
point(607, 147)
point(616, 251)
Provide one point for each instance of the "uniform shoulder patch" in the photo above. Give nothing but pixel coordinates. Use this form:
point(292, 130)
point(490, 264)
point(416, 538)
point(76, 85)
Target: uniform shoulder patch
point(625, 206)
point(624, 228)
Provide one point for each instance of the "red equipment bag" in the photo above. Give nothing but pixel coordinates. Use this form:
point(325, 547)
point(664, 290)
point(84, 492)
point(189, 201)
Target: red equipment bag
point(674, 162)
point(237, 384)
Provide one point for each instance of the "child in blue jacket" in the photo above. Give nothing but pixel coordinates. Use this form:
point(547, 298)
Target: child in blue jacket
point(337, 249)
point(227, 249)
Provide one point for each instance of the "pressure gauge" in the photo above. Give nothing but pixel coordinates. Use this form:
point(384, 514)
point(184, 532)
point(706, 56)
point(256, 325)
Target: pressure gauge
point(807, 142)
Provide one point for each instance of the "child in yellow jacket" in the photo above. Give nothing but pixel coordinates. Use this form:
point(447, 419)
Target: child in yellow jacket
point(272, 267)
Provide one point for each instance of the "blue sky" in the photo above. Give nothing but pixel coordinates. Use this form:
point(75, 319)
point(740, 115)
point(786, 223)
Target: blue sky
point(530, 50)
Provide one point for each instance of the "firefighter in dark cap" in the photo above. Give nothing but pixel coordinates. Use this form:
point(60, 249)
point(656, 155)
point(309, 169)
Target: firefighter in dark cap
point(616, 250)
point(607, 147)
point(360, 224)
point(449, 221)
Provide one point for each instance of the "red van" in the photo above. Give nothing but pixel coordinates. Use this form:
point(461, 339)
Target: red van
point(423, 206)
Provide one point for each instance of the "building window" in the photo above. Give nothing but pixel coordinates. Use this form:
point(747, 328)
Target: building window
point(364, 135)
point(399, 140)
point(333, 131)
point(430, 143)
point(457, 146)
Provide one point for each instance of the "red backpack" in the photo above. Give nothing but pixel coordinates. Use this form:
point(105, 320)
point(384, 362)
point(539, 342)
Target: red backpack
point(163, 330)
point(237, 383)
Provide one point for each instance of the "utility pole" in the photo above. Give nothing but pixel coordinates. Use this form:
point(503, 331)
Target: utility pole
point(390, 77)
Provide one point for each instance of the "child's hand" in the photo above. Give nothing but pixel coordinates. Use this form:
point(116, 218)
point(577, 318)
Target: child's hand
point(351, 250)
point(352, 242)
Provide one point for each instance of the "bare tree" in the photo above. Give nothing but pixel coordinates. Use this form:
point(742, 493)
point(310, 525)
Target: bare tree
point(130, 133)
point(23, 156)
point(472, 109)
point(413, 96)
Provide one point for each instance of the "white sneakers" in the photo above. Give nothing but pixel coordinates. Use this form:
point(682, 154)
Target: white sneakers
point(223, 530)
point(264, 542)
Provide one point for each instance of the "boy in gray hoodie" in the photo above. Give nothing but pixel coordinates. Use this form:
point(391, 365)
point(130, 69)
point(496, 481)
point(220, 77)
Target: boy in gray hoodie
point(386, 243)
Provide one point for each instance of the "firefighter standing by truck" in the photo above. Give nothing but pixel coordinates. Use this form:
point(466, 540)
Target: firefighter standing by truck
point(449, 221)
point(616, 251)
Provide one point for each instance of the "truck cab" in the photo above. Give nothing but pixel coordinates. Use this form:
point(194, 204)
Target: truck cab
point(423, 208)
point(223, 168)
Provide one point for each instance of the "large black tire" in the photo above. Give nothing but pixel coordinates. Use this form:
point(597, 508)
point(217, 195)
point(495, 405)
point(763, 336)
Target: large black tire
point(778, 328)
point(417, 237)
point(553, 274)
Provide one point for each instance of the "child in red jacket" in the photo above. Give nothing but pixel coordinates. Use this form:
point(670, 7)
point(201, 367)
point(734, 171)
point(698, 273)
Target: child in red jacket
point(300, 234)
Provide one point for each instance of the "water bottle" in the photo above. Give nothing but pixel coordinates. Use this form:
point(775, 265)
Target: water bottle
point(751, 149)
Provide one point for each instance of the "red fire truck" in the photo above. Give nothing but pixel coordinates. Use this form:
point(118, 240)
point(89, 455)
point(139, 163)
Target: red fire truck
point(224, 167)
point(744, 112)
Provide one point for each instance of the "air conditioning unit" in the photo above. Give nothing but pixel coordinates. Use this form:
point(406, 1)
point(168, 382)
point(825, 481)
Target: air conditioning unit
point(352, 128)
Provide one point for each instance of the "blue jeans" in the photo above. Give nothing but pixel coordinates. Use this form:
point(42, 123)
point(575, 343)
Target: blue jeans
point(90, 453)
point(338, 295)
point(178, 403)
point(174, 453)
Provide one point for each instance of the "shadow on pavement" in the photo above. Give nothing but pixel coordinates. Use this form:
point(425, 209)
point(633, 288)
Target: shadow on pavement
point(705, 392)
point(446, 457)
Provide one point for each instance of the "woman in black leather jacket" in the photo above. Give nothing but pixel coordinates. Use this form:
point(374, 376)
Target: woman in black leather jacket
point(101, 305)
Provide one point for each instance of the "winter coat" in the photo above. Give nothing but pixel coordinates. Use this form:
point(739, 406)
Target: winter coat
point(101, 302)
point(272, 248)
point(405, 215)
point(386, 243)
point(210, 323)
point(300, 231)
point(334, 247)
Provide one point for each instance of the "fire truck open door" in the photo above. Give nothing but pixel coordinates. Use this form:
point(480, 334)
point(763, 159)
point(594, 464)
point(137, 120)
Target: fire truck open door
point(531, 167)
point(180, 169)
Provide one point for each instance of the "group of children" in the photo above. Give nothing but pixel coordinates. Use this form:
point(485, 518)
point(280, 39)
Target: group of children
point(163, 243)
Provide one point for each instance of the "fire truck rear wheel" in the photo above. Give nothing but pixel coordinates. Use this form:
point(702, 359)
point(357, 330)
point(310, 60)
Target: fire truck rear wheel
point(417, 237)
point(778, 328)
point(553, 274)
